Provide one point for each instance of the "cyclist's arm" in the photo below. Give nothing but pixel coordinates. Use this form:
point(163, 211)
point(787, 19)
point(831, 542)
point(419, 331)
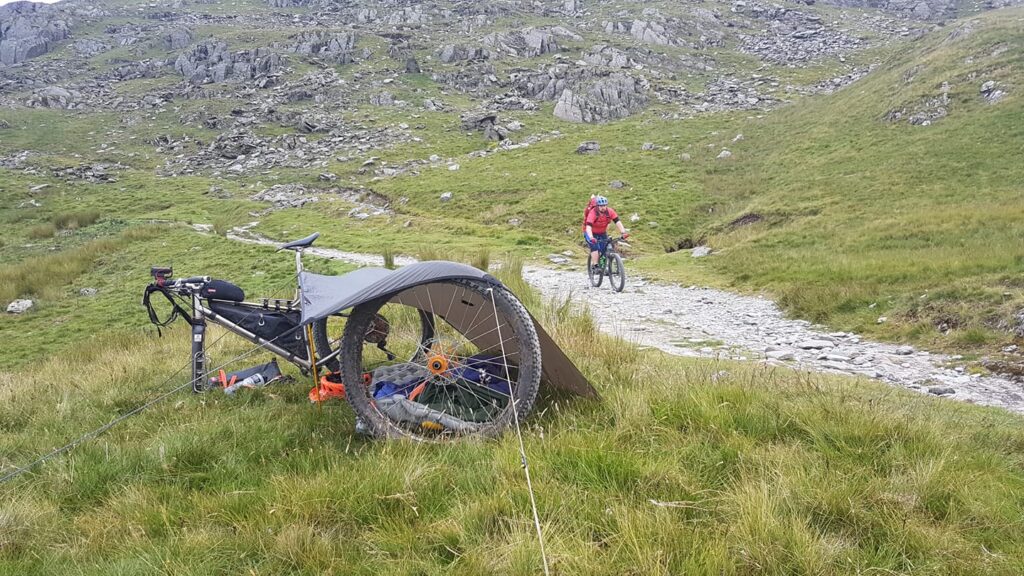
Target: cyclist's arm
point(589, 233)
point(622, 229)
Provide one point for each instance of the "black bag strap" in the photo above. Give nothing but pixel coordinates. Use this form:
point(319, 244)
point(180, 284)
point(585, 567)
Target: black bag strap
point(176, 310)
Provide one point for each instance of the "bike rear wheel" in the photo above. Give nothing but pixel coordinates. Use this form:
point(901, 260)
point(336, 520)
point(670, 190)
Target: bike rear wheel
point(482, 362)
point(616, 272)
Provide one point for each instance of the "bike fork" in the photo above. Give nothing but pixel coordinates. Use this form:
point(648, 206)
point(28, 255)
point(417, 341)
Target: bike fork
point(198, 348)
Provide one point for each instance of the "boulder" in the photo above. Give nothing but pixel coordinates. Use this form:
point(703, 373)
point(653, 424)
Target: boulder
point(20, 306)
point(588, 147)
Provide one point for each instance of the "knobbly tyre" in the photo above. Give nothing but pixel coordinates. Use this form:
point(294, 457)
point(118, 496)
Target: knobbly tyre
point(432, 351)
point(609, 264)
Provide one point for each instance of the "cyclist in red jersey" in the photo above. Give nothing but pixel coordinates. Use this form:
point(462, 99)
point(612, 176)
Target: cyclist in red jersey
point(595, 227)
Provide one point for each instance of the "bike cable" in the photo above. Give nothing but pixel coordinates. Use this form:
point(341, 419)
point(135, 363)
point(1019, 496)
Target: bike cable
point(519, 434)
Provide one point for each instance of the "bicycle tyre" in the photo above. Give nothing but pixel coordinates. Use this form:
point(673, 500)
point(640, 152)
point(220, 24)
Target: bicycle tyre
point(616, 272)
point(523, 391)
point(595, 279)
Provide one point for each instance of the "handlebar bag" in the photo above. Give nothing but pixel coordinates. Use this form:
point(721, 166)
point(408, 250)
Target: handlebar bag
point(266, 324)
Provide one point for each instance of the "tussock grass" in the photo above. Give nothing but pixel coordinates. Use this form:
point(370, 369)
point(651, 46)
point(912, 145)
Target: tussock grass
point(481, 259)
point(389, 258)
point(75, 220)
point(46, 276)
point(42, 231)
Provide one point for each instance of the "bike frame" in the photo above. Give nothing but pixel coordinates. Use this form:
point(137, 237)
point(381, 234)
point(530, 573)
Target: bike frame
point(201, 313)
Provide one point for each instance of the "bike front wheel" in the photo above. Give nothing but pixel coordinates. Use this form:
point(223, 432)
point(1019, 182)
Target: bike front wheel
point(616, 272)
point(595, 273)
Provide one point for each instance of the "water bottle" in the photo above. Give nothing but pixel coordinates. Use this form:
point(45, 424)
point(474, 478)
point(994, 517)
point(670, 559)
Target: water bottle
point(255, 381)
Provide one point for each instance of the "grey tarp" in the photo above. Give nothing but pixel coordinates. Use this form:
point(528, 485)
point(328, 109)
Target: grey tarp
point(420, 285)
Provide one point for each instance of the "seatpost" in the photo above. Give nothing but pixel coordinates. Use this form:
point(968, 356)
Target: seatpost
point(298, 272)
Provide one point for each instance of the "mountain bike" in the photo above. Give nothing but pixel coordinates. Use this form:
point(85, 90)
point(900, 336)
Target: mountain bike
point(432, 351)
point(609, 264)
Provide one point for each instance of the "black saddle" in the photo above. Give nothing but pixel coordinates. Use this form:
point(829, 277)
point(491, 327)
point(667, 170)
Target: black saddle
point(299, 244)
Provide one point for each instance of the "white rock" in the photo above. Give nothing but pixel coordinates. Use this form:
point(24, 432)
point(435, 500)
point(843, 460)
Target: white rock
point(724, 154)
point(19, 306)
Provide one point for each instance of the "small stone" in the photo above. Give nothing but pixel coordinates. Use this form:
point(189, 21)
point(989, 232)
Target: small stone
point(648, 146)
point(88, 292)
point(684, 157)
point(814, 344)
point(724, 154)
point(38, 187)
point(738, 138)
point(941, 390)
point(780, 355)
point(882, 320)
point(905, 350)
point(327, 177)
point(699, 251)
point(19, 306)
point(616, 184)
point(447, 196)
point(407, 224)
point(514, 221)
point(557, 259)
point(453, 167)
point(634, 218)
point(588, 147)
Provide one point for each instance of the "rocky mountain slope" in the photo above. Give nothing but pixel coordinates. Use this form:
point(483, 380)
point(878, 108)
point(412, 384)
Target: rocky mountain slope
point(460, 119)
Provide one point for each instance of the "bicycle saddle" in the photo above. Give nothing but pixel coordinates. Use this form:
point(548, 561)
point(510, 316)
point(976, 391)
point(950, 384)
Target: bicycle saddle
point(298, 244)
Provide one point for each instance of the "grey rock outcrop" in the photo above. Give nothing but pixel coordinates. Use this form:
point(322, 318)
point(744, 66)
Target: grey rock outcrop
point(338, 48)
point(643, 30)
point(608, 56)
point(527, 43)
point(28, 30)
point(55, 97)
point(89, 47)
point(177, 39)
point(451, 53)
point(485, 120)
point(614, 96)
point(212, 61)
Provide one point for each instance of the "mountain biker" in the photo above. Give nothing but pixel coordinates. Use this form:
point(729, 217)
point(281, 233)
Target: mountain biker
point(595, 227)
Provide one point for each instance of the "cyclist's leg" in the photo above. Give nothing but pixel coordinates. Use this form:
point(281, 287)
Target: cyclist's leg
point(593, 253)
point(602, 244)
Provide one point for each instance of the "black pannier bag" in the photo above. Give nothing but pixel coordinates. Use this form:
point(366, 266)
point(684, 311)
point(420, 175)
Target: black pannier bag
point(267, 324)
point(222, 290)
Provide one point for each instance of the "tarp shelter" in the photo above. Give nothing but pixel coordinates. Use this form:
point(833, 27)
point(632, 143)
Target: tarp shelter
point(422, 286)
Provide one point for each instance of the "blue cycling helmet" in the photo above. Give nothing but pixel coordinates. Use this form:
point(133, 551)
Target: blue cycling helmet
point(601, 201)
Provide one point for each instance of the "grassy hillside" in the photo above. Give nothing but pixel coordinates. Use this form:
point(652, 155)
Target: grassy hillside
point(684, 467)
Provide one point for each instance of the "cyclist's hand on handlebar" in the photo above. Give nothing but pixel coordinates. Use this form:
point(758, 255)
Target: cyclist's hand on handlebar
point(625, 235)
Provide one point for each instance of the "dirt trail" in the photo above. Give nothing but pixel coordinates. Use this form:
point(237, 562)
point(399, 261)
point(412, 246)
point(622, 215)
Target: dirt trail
point(704, 322)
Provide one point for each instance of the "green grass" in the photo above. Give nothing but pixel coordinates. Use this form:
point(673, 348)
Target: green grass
point(685, 466)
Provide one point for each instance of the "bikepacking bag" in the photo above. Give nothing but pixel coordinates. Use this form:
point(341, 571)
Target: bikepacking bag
point(267, 324)
point(222, 290)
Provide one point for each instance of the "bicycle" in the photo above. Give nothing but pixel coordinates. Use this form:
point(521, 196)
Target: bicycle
point(609, 263)
point(433, 351)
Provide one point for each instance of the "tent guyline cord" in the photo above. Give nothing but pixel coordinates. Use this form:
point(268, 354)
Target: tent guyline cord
point(519, 435)
point(93, 434)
